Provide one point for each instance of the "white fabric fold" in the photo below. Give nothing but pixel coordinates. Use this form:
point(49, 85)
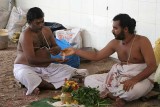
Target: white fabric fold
point(117, 74)
point(31, 77)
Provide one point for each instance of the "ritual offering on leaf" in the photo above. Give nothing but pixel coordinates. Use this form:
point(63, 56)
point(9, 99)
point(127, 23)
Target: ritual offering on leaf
point(66, 98)
point(67, 88)
point(57, 97)
point(75, 96)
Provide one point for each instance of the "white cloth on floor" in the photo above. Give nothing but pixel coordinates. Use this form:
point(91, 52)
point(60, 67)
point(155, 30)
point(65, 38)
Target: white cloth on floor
point(117, 74)
point(31, 77)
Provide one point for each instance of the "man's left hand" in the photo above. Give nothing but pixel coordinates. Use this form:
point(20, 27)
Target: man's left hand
point(128, 84)
point(55, 50)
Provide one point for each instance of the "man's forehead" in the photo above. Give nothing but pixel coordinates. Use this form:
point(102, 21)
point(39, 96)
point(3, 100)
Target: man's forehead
point(117, 22)
point(39, 20)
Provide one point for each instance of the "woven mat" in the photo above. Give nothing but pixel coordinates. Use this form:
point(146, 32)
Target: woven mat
point(7, 58)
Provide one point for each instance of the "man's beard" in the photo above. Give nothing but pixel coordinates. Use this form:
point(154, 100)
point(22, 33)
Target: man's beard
point(120, 36)
point(36, 29)
point(40, 28)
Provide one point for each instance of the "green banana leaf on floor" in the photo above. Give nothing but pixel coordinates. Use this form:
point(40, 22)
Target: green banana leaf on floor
point(45, 102)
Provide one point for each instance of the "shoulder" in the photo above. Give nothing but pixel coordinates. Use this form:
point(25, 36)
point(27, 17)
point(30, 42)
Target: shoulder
point(143, 42)
point(114, 41)
point(47, 31)
point(25, 33)
point(113, 44)
point(45, 28)
point(142, 39)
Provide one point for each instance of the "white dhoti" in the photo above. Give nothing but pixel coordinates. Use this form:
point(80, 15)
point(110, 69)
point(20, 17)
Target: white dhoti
point(118, 73)
point(31, 77)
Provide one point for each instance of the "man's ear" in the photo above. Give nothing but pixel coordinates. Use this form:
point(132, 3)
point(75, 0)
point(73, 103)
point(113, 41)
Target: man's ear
point(125, 29)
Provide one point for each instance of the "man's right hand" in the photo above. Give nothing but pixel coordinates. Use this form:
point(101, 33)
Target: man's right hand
point(60, 60)
point(68, 52)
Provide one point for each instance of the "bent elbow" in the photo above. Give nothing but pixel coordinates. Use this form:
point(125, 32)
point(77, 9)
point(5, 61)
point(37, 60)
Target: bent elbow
point(154, 67)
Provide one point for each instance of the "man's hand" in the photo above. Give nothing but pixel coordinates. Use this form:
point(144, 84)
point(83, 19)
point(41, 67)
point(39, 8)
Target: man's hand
point(68, 52)
point(55, 50)
point(128, 84)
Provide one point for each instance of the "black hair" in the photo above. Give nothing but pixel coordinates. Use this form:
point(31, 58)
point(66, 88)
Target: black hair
point(126, 21)
point(34, 13)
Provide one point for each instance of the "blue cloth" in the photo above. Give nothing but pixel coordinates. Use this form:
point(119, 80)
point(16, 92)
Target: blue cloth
point(73, 60)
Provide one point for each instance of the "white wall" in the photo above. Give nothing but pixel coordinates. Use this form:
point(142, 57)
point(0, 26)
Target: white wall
point(96, 20)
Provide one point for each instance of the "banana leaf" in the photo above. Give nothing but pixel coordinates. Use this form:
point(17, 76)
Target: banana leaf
point(45, 102)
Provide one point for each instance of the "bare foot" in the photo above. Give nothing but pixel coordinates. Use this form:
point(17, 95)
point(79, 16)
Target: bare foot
point(24, 91)
point(36, 91)
point(119, 102)
point(104, 93)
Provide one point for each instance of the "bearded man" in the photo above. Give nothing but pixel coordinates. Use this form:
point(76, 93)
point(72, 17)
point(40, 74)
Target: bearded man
point(129, 79)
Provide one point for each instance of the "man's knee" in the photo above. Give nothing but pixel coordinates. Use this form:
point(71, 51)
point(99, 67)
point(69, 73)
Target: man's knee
point(139, 90)
point(88, 80)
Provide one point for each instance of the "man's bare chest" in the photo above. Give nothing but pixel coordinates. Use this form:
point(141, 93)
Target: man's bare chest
point(40, 41)
point(133, 55)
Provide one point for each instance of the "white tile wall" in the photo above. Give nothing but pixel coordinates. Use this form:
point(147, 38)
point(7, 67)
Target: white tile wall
point(75, 19)
point(100, 24)
point(63, 17)
point(158, 13)
point(75, 5)
point(100, 7)
point(63, 5)
point(147, 12)
point(53, 4)
point(114, 7)
point(87, 7)
point(147, 29)
point(52, 13)
point(94, 18)
point(98, 40)
point(157, 32)
point(87, 22)
point(131, 7)
point(151, 1)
